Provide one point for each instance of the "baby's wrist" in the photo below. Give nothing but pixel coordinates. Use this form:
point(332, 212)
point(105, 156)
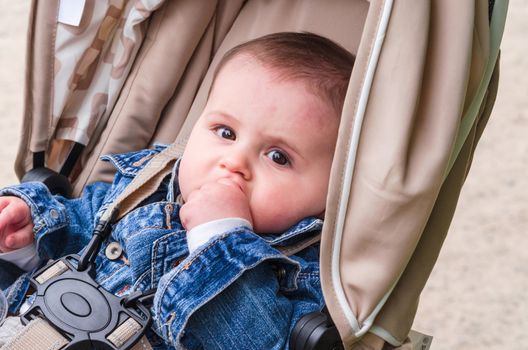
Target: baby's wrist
point(209, 214)
point(202, 233)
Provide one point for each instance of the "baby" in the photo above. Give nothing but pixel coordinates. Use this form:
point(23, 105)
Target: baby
point(253, 179)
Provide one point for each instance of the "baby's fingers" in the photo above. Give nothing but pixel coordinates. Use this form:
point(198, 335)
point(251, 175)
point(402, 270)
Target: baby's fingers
point(12, 215)
point(20, 238)
point(4, 202)
point(5, 219)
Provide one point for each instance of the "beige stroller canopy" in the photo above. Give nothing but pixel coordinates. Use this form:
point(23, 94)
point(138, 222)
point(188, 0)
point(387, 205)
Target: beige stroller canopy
point(124, 75)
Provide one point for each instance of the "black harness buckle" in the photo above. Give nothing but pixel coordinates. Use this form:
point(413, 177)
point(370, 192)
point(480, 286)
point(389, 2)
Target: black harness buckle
point(82, 311)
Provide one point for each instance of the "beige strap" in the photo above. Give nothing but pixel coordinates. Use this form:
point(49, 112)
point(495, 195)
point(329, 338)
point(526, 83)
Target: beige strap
point(40, 335)
point(142, 344)
point(294, 249)
point(146, 181)
point(37, 335)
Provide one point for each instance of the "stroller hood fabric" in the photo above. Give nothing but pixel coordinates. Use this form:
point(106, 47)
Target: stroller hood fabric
point(391, 203)
point(421, 91)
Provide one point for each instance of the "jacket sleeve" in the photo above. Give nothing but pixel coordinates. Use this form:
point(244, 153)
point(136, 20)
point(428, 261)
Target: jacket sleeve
point(61, 226)
point(226, 295)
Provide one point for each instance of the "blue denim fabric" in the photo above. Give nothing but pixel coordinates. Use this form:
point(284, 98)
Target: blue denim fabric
point(227, 294)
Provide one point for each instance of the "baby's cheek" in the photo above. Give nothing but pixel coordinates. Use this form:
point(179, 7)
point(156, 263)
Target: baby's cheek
point(187, 184)
point(273, 214)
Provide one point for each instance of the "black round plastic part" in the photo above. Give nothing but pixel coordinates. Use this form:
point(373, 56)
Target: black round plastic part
point(55, 182)
point(78, 304)
point(81, 310)
point(315, 331)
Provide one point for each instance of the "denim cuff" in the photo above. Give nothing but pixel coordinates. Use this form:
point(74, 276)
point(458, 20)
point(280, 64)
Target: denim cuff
point(47, 213)
point(207, 272)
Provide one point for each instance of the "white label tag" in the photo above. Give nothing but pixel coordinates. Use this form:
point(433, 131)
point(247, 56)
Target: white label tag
point(70, 12)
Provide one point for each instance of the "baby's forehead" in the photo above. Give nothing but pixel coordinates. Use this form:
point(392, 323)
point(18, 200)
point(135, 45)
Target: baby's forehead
point(275, 71)
point(245, 61)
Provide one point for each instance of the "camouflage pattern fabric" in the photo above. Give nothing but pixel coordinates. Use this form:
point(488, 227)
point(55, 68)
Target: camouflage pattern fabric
point(92, 61)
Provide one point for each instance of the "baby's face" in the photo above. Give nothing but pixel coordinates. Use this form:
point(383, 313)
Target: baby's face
point(272, 138)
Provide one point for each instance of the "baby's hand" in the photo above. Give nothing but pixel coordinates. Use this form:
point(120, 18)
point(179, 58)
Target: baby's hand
point(16, 226)
point(214, 200)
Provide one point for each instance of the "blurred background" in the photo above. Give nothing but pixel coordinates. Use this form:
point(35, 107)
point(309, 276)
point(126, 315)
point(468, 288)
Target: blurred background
point(477, 296)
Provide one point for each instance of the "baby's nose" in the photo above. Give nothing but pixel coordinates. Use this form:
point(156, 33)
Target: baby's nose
point(237, 163)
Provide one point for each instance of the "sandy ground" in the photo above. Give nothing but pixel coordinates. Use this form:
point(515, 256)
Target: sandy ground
point(477, 296)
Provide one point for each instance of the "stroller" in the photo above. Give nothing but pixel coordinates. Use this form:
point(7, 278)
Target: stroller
point(114, 77)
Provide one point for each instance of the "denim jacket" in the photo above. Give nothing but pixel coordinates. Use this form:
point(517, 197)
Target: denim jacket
point(237, 291)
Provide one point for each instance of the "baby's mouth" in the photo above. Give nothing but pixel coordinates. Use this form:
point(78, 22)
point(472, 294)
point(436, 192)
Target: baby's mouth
point(230, 182)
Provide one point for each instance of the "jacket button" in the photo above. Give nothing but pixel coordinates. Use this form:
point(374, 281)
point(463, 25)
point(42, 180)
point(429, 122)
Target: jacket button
point(113, 251)
point(54, 214)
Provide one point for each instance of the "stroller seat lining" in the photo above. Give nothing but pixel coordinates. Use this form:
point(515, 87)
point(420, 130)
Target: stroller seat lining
point(166, 87)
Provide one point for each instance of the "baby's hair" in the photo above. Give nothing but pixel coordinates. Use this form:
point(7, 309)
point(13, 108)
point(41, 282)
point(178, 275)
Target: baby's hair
point(324, 65)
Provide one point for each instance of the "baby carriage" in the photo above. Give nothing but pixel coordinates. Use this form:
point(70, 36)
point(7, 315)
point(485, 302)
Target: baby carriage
point(115, 78)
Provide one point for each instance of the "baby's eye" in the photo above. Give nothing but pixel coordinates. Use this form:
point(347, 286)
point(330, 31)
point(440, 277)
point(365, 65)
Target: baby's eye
point(225, 132)
point(278, 157)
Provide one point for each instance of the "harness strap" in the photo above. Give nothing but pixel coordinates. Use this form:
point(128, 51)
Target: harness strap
point(294, 249)
point(40, 335)
point(146, 181)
